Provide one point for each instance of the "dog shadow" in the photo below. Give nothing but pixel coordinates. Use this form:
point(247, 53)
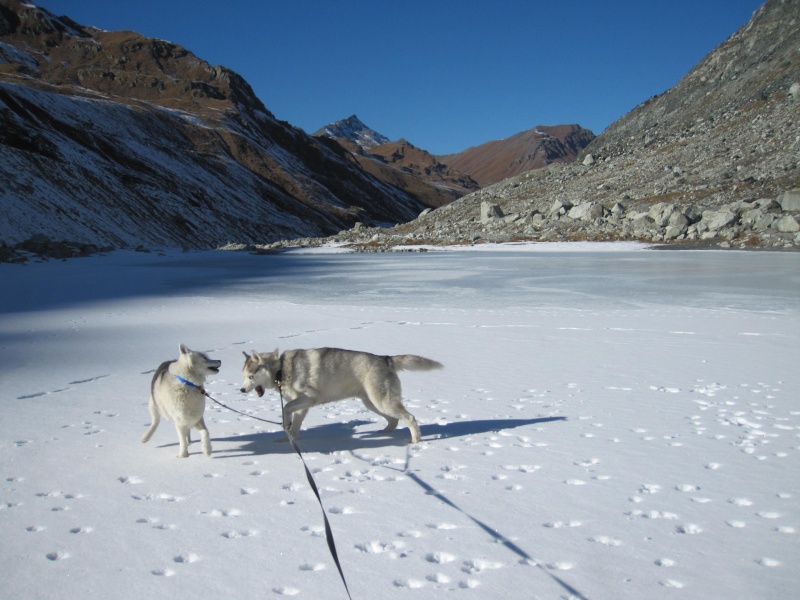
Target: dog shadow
point(345, 437)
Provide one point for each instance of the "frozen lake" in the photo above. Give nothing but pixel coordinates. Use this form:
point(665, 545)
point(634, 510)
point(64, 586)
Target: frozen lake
point(609, 424)
point(471, 279)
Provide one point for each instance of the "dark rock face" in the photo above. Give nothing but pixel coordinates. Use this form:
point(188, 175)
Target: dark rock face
point(111, 138)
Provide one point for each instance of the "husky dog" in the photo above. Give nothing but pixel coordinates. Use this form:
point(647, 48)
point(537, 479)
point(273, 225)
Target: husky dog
point(316, 376)
point(177, 394)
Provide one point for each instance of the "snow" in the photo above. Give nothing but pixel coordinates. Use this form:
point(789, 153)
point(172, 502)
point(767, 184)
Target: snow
point(615, 424)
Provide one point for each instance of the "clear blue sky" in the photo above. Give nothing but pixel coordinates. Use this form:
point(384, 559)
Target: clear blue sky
point(444, 74)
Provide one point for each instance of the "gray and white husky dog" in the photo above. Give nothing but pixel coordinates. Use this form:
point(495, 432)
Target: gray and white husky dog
point(316, 376)
point(177, 394)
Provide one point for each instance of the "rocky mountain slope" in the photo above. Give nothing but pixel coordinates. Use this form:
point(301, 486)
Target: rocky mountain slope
point(111, 138)
point(423, 166)
point(714, 161)
point(400, 164)
point(528, 150)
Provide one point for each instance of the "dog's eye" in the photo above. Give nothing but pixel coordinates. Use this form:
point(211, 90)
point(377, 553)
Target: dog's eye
point(252, 376)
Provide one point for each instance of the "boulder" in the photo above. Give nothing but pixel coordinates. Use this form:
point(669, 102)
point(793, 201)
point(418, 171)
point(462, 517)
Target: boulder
point(720, 219)
point(661, 212)
point(560, 207)
point(490, 211)
point(787, 224)
point(693, 213)
point(588, 211)
point(617, 209)
point(790, 200)
point(641, 222)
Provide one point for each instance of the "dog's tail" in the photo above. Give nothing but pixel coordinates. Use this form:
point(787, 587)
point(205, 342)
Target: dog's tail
point(411, 362)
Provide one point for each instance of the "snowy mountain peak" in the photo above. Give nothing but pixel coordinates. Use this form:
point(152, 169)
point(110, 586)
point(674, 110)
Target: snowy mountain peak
point(352, 128)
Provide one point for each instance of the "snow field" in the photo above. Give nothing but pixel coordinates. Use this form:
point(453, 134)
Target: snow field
point(639, 450)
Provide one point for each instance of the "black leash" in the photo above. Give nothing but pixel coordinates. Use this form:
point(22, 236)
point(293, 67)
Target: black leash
point(238, 412)
point(328, 530)
point(311, 482)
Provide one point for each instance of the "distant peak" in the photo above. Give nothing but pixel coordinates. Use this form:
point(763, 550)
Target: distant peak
point(353, 129)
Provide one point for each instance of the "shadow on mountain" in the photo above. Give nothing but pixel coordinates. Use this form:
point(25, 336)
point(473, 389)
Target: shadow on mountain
point(343, 437)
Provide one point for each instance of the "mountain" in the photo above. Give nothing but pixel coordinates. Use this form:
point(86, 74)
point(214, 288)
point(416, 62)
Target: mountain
point(399, 164)
point(112, 138)
point(533, 149)
point(354, 130)
point(407, 158)
point(715, 160)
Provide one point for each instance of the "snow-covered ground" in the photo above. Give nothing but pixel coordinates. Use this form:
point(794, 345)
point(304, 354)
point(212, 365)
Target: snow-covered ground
point(608, 425)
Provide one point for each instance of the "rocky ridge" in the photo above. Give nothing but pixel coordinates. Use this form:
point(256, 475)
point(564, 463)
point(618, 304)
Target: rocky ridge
point(399, 163)
point(525, 151)
point(714, 161)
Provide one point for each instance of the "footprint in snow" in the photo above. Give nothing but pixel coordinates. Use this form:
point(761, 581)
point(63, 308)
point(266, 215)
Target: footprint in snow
point(186, 558)
point(129, 480)
point(442, 526)
point(81, 530)
point(561, 565)
point(689, 528)
point(479, 564)
point(218, 512)
point(239, 533)
point(665, 562)
point(286, 591)
point(769, 562)
point(740, 502)
point(439, 558)
point(606, 540)
point(560, 524)
point(341, 510)
point(687, 487)
point(163, 497)
point(438, 578)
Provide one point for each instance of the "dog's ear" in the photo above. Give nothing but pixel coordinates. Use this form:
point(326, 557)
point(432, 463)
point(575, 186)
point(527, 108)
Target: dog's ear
point(246, 355)
point(255, 356)
point(183, 349)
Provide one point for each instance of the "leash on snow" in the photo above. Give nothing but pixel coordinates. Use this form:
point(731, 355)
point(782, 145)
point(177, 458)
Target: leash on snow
point(309, 476)
point(313, 484)
point(238, 412)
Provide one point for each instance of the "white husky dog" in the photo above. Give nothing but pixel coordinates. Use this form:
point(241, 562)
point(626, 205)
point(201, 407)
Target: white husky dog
point(315, 376)
point(177, 394)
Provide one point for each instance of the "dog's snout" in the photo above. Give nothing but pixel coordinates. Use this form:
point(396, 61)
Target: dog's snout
point(244, 391)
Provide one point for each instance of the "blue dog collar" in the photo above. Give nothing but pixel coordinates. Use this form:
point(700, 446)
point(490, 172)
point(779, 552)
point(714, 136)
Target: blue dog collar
point(187, 382)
